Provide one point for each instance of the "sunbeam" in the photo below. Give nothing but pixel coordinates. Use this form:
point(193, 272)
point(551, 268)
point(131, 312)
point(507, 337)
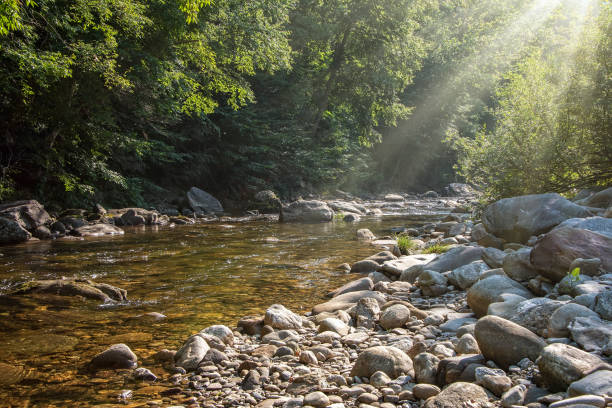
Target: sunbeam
point(507, 45)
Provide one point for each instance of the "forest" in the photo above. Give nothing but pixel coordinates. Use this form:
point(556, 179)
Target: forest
point(132, 102)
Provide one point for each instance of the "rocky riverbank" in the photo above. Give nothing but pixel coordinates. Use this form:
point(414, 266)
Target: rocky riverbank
point(497, 320)
point(27, 220)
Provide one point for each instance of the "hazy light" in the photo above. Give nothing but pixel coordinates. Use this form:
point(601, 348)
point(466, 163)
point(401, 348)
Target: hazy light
point(499, 55)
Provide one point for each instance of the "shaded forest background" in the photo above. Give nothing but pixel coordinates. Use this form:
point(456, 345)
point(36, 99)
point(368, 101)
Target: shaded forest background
point(131, 102)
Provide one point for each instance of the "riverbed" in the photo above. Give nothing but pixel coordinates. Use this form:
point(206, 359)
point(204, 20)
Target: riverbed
point(196, 275)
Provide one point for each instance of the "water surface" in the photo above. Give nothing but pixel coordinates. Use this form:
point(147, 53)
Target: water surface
point(195, 275)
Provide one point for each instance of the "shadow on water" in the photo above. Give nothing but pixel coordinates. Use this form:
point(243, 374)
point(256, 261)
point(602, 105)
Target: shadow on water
point(195, 275)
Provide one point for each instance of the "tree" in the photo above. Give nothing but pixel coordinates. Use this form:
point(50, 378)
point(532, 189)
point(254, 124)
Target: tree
point(553, 121)
point(95, 91)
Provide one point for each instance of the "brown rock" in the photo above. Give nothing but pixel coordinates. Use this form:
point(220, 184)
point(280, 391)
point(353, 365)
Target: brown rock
point(553, 254)
point(450, 369)
point(390, 360)
point(506, 342)
point(459, 395)
point(561, 365)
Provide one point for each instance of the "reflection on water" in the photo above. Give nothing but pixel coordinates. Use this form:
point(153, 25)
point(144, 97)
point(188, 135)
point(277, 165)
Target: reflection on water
point(196, 275)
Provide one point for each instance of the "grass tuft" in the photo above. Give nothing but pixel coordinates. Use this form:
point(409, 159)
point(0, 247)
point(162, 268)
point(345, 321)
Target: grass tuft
point(436, 249)
point(405, 244)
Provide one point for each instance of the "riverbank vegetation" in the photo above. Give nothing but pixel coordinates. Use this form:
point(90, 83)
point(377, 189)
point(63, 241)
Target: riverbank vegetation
point(129, 102)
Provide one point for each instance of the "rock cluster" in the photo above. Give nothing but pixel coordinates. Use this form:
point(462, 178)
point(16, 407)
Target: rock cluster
point(494, 321)
point(475, 327)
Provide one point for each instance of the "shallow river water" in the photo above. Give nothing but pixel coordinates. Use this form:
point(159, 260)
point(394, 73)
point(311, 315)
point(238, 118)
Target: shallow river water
point(195, 275)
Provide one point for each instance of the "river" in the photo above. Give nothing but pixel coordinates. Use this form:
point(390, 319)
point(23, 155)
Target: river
point(196, 275)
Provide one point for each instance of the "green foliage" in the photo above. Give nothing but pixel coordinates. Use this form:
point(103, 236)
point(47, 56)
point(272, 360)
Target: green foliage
point(131, 102)
point(436, 249)
point(339, 216)
point(574, 275)
point(405, 244)
point(99, 93)
point(553, 129)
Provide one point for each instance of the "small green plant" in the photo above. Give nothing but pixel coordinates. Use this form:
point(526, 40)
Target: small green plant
point(405, 244)
point(574, 275)
point(339, 216)
point(436, 249)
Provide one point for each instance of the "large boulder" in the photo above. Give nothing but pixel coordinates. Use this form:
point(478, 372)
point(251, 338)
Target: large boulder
point(348, 300)
point(397, 266)
point(394, 197)
point(365, 234)
point(11, 232)
point(459, 395)
point(452, 369)
point(365, 266)
point(595, 224)
point(454, 258)
point(390, 360)
point(602, 199)
point(561, 365)
point(553, 254)
point(306, 211)
point(132, 217)
point(30, 214)
point(426, 368)
point(494, 257)
point(221, 332)
point(488, 290)
point(516, 219)
point(201, 201)
point(505, 342)
point(366, 313)
point(279, 317)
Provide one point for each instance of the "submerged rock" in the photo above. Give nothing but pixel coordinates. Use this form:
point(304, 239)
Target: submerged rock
point(115, 357)
point(73, 287)
point(10, 374)
point(97, 230)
